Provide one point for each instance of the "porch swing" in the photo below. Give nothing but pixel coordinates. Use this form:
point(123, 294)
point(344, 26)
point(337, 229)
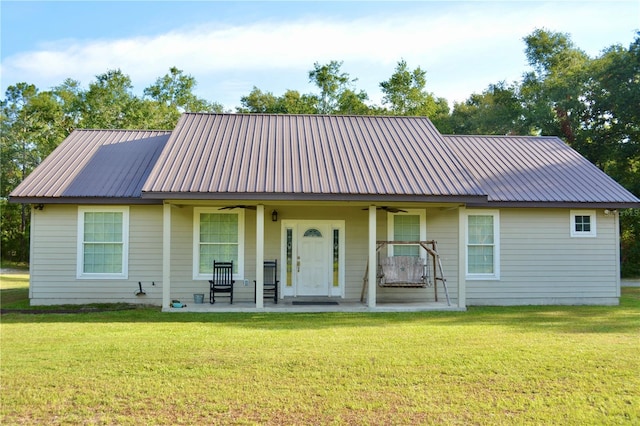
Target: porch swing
point(408, 271)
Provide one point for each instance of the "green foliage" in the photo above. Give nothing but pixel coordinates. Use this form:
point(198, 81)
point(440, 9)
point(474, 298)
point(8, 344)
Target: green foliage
point(630, 242)
point(405, 92)
point(497, 111)
point(332, 84)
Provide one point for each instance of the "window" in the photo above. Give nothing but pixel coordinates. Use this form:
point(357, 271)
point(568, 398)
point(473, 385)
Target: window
point(407, 226)
point(217, 236)
point(103, 243)
point(483, 250)
point(583, 223)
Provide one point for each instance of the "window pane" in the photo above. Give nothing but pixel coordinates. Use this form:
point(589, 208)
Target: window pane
point(289, 257)
point(218, 240)
point(406, 250)
point(406, 228)
point(219, 253)
point(583, 224)
point(218, 228)
point(102, 258)
point(103, 243)
point(480, 260)
point(103, 227)
point(480, 229)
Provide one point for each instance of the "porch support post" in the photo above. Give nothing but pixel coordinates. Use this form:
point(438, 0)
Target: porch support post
point(373, 267)
point(462, 258)
point(260, 256)
point(166, 255)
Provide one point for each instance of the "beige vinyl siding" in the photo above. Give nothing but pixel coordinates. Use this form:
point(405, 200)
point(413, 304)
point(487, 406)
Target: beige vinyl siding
point(54, 257)
point(542, 264)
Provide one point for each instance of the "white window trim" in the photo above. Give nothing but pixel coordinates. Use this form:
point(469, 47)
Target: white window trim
point(577, 234)
point(80, 274)
point(496, 245)
point(196, 241)
point(423, 228)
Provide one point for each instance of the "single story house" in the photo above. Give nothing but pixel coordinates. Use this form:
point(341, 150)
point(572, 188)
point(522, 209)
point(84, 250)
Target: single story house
point(140, 216)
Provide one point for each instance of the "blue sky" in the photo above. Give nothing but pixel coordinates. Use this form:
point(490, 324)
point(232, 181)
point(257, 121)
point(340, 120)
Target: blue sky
point(229, 47)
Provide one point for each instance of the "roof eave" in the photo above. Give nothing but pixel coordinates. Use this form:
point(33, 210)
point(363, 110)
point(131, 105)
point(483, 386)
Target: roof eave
point(84, 200)
point(560, 204)
point(271, 196)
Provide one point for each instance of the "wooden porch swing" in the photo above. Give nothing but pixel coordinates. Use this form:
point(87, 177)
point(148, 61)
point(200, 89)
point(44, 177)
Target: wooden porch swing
point(408, 271)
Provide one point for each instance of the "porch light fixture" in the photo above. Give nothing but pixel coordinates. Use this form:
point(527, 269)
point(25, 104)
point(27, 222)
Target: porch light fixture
point(274, 216)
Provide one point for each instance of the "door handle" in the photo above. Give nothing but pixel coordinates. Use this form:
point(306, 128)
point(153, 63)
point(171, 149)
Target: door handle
point(298, 264)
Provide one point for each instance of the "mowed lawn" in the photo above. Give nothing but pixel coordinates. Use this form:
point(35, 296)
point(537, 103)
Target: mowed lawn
point(525, 365)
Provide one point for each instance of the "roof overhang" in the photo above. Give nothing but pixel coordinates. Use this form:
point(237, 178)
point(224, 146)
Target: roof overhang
point(558, 204)
point(84, 200)
point(461, 199)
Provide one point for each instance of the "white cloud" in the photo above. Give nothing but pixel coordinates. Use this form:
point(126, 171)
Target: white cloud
point(458, 46)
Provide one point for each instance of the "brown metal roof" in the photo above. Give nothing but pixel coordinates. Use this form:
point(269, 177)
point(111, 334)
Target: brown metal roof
point(311, 157)
point(543, 170)
point(308, 157)
point(101, 165)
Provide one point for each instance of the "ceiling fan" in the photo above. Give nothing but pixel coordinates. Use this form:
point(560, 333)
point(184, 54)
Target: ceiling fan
point(390, 209)
point(239, 206)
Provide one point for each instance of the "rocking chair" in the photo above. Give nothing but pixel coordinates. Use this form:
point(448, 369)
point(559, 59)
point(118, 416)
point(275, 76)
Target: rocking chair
point(222, 281)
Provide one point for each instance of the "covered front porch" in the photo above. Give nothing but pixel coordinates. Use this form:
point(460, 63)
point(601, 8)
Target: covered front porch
point(352, 234)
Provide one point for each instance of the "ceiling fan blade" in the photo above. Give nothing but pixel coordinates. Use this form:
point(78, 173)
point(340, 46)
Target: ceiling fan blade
point(389, 209)
point(240, 206)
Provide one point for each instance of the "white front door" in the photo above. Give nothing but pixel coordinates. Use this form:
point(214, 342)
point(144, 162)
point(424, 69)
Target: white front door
point(313, 261)
point(313, 254)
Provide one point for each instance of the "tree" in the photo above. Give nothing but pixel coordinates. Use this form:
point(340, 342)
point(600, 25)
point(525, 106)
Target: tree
point(554, 91)
point(31, 128)
point(332, 83)
point(260, 102)
point(172, 95)
point(496, 111)
point(405, 93)
point(109, 103)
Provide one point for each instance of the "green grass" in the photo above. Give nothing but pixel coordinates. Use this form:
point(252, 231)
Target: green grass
point(521, 365)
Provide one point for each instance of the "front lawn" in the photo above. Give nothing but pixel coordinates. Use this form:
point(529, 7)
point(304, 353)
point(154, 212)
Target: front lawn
point(526, 365)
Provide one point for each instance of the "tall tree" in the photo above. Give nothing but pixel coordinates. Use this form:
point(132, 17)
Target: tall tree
point(332, 83)
point(553, 92)
point(172, 95)
point(31, 125)
point(405, 92)
point(496, 111)
point(260, 102)
point(110, 103)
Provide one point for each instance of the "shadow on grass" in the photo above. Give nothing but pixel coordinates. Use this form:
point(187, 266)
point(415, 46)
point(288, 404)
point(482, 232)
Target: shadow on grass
point(560, 319)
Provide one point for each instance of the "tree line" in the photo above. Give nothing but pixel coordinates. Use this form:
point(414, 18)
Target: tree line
point(592, 103)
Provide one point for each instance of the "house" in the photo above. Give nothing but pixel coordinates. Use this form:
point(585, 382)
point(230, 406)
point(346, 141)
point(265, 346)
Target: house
point(139, 216)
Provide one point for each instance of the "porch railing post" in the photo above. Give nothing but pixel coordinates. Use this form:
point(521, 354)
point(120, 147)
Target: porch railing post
point(373, 267)
point(166, 255)
point(260, 256)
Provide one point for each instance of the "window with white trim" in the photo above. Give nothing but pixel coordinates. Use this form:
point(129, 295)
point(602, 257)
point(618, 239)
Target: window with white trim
point(583, 223)
point(483, 248)
point(407, 226)
point(217, 236)
point(103, 242)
